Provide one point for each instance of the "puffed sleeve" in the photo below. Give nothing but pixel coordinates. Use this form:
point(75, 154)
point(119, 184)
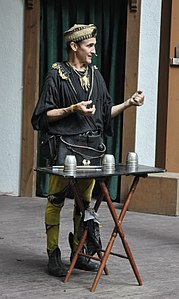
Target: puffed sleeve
point(49, 99)
point(106, 104)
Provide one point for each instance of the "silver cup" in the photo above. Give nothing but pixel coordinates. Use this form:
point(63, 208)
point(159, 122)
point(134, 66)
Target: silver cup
point(132, 160)
point(70, 164)
point(108, 162)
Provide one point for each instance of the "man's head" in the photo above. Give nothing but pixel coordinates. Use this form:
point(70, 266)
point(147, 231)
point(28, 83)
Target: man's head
point(81, 42)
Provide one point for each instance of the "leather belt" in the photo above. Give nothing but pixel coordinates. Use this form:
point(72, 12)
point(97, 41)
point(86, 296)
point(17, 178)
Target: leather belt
point(91, 133)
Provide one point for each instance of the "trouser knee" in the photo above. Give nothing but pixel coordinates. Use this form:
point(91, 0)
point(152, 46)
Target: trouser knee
point(57, 199)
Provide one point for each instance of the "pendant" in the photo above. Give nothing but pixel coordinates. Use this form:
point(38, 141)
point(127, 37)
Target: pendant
point(85, 83)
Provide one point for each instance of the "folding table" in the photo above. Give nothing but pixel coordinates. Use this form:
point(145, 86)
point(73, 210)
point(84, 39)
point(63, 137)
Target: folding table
point(102, 176)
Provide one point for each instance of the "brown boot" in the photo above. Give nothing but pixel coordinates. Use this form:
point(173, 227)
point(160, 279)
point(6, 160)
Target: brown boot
point(55, 265)
point(82, 263)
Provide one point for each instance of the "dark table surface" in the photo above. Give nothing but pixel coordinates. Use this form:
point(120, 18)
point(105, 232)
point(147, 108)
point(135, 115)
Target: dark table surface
point(99, 172)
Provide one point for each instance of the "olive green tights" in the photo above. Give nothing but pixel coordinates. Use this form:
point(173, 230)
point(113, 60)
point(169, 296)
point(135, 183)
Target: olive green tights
point(57, 192)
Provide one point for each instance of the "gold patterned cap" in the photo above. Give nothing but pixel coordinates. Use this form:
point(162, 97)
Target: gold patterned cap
point(80, 32)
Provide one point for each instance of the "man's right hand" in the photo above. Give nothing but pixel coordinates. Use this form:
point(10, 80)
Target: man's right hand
point(83, 108)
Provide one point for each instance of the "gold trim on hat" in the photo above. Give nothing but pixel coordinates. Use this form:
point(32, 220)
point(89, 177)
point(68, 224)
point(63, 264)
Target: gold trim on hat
point(79, 32)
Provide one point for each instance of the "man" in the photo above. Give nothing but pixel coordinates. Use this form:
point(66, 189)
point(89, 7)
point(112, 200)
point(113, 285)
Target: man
point(77, 109)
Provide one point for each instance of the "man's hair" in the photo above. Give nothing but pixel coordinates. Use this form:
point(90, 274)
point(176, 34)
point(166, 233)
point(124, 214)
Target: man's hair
point(68, 47)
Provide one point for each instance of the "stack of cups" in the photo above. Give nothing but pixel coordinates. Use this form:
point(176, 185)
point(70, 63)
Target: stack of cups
point(70, 164)
point(132, 161)
point(108, 163)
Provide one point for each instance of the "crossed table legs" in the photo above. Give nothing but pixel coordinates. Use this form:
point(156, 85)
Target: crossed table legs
point(116, 231)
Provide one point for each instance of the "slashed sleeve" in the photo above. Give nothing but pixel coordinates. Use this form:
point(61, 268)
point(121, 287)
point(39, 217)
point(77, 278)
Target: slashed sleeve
point(105, 104)
point(49, 99)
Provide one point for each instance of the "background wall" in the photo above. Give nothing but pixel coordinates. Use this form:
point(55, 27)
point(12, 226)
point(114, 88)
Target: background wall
point(148, 80)
point(11, 63)
point(11, 58)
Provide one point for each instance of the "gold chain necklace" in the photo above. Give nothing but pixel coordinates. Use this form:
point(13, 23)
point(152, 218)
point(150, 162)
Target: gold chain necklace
point(83, 77)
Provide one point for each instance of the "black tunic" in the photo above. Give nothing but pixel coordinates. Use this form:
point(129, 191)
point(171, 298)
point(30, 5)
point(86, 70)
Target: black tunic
point(61, 89)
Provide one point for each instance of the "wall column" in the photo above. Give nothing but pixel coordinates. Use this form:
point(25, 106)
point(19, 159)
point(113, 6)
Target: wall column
point(30, 96)
point(131, 81)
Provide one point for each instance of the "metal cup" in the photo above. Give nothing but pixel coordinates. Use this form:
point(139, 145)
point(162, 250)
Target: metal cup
point(132, 160)
point(108, 162)
point(70, 163)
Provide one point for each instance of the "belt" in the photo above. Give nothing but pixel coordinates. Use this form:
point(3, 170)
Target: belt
point(91, 133)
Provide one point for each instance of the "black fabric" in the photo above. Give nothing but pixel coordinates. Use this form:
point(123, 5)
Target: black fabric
point(93, 242)
point(48, 148)
point(58, 93)
point(87, 149)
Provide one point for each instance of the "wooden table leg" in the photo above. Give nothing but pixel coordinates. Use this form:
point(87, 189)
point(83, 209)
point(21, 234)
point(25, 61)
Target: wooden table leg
point(75, 257)
point(130, 257)
point(118, 229)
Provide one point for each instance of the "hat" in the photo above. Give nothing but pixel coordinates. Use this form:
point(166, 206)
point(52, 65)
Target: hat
point(80, 32)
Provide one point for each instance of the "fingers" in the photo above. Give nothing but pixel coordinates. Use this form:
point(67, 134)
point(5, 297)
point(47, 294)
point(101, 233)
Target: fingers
point(86, 104)
point(138, 98)
point(139, 92)
point(93, 109)
point(86, 107)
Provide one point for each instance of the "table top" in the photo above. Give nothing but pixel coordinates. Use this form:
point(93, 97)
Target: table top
point(98, 171)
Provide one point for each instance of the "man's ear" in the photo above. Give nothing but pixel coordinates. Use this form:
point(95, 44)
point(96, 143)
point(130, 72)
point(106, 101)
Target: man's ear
point(74, 46)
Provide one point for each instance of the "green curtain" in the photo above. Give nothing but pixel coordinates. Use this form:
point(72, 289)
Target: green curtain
point(110, 18)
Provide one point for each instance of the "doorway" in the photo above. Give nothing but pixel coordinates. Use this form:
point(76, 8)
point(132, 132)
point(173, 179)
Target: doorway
point(110, 17)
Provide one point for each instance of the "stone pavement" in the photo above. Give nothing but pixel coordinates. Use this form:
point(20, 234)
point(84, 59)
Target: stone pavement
point(153, 239)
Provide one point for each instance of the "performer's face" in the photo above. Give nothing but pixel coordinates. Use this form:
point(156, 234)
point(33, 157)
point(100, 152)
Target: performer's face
point(85, 50)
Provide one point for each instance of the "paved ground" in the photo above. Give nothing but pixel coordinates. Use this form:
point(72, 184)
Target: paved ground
point(154, 241)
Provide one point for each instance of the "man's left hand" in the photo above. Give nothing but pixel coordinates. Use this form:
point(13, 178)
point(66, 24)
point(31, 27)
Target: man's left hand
point(137, 99)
